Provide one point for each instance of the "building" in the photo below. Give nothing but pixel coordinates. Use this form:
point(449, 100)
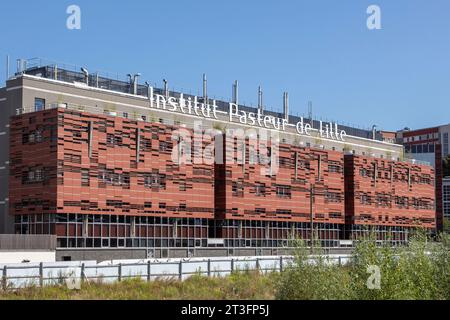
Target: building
point(389, 136)
point(446, 201)
point(116, 169)
point(392, 196)
point(430, 145)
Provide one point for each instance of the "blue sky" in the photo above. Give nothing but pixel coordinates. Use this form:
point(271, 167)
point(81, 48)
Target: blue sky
point(316, 50)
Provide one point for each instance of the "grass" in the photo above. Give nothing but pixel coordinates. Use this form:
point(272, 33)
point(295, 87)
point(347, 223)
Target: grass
point(419, 271)
point(247, 285)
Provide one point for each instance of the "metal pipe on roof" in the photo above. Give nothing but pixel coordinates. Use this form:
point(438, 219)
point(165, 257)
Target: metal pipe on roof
point(235, 96)
point(260, 100)
point(286, 106)
point(205, 89)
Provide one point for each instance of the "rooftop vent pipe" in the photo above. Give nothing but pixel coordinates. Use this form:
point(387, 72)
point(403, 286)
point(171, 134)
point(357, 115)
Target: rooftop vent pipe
point(166, 88)
point(260, 100)
point(235, 95)
point(205, 89)
point(286, 106)
point(86, 75)
point(134, 82)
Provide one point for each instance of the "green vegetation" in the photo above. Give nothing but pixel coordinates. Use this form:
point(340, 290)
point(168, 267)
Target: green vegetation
point(446, 166)
point(418, 271)
point(239, 286)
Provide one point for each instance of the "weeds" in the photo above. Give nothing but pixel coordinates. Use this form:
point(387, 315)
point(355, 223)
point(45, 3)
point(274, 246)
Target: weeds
point(420, 270)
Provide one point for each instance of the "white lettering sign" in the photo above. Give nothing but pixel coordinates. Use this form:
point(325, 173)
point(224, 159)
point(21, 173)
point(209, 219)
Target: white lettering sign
point(193, 106)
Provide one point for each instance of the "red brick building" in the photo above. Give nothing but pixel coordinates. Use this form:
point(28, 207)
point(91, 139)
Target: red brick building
point(392, 196)
point(99, 166)
point(105, 180)
point(273, 202)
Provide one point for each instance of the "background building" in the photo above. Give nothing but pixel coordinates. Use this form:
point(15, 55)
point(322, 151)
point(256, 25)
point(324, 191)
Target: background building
point(430, 145)
point(446, 201)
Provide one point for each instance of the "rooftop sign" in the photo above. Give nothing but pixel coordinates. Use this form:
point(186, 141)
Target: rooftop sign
point(197, 107)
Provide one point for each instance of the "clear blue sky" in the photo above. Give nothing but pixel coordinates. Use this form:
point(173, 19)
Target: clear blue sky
point(316, 50)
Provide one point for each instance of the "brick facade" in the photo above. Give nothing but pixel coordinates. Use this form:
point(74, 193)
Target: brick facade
point(381, 192)
point(100, 180)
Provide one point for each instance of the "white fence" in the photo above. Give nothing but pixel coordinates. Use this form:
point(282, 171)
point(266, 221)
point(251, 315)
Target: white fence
point(16, 276)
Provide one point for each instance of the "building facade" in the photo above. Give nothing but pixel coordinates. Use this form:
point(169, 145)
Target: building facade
point(431, 145)
point(110, 165)
point(446, 202)
point(392, 196)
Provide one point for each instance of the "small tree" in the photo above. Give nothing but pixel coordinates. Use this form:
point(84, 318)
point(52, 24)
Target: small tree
point(446, 166)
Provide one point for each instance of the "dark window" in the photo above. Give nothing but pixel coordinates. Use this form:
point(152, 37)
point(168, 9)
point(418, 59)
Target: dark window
point(85, 177)
point(260, 189)
point(284, 191)
point(260, 210)
point(39, 104)
point(237, 188)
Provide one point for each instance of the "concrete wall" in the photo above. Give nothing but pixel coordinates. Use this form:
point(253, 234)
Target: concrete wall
point(27, 242)
point(10, 100)
point(100, 255)
point(36, 256)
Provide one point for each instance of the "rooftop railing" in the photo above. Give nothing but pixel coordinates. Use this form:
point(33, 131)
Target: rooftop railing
point(113, 82)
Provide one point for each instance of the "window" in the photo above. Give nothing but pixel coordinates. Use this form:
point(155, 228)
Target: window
point(284, 191)
point(237, 188)
point(445, 144)
point(333, 197)
point(260, 210)
point(39, 104)
point(85, 177)
point(334, 168)
point(155, 180)
point(164, 146)
point(113, 140)
point(363, 172)
point(260, 189)
point(33, 176)
point(283, 212)
point(401, 201)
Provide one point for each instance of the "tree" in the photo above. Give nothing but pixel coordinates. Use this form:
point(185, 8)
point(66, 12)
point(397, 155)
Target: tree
point(446, 166)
